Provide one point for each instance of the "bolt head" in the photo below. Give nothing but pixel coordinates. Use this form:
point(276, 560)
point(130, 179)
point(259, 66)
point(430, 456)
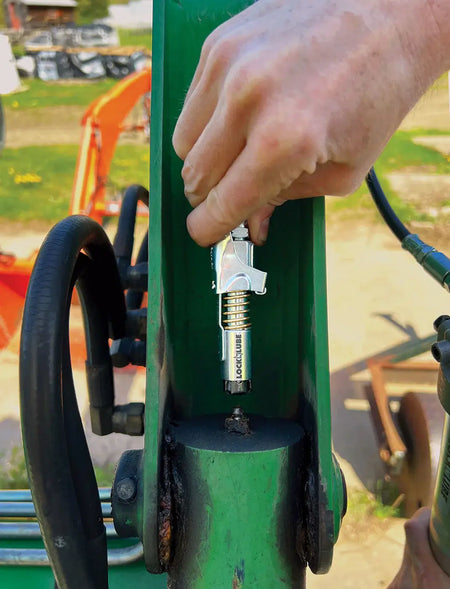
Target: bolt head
point(126, 490)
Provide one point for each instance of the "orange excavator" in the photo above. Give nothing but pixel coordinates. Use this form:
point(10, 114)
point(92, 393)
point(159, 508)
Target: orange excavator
point(103, 122)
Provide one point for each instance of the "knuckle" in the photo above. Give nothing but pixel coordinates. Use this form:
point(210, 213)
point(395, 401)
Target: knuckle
point(220, 209)
point(221, 53)
point(211, 41)
point(307, 145)
point(281, 141)
point(268, 144)
point(246, 83)
point(193, 176)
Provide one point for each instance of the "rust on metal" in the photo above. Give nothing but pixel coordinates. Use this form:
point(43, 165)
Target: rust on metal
point(408, 461)
point(165, 511)
point(238, 422)
point(165, 529)
point(380, 408)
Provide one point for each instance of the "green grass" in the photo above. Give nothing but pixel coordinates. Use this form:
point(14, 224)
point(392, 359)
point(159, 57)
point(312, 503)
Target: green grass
point(37, 181)
point(13, 473)
point(362, 504)
point(47, 94)
point(136, 38)
point(105, 475)
point(400, 154)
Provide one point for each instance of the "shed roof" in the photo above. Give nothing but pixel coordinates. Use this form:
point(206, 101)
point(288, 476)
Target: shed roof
point(55, 3)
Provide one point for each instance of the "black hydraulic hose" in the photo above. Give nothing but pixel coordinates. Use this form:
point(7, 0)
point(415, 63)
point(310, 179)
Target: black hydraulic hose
point(60, 471)
point(83, 475)
point(124, 239)
point(99, 370)
point(134, 297)
point(386, 211)
point(434, 262)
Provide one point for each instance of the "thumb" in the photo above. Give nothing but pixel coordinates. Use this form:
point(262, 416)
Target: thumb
point(258, 224)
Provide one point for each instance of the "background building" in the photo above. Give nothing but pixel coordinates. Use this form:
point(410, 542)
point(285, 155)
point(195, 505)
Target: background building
point(31, 14)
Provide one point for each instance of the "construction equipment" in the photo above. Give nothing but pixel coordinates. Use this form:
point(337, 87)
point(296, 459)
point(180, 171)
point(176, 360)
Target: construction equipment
point(103, 123)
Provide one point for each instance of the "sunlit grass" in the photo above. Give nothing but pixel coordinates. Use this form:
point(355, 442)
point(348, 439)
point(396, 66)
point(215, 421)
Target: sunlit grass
point(401, 154)
point(36, 182)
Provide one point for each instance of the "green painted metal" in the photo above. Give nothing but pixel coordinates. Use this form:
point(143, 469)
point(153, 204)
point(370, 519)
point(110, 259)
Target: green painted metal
point(440, 512)
point(440, 515)
point(41, 577)
point(228, 541)
point(290, 349)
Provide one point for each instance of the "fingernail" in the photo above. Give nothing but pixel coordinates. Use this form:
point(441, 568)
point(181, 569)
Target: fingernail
point(263, 230)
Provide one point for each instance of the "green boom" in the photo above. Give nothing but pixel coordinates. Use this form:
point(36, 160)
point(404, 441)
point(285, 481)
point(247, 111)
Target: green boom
point(290, 351)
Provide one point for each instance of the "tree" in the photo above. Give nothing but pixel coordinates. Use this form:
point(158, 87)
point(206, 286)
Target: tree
point(89, 10)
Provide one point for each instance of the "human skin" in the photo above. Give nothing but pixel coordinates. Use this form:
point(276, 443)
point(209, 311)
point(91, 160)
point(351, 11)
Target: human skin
point(419, 569)
point(297, 98)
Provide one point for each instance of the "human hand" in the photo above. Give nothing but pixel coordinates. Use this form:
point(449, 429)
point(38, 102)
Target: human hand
point(419, 569)
point(294, 99)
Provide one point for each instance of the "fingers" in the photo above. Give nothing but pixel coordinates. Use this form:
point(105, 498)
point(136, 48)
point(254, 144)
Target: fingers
point(218, 52)
point(196, 113)
point(230, 202)
point(258, 224)
point(217, 147)
point(332, 179)
point(252, 184)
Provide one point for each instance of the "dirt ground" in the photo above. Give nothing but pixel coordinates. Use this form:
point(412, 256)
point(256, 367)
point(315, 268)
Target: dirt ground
point(378, 299)
point(58, 125)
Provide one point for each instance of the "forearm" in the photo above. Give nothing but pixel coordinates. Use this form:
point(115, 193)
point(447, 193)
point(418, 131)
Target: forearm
point(440, 9)
point(423, 28)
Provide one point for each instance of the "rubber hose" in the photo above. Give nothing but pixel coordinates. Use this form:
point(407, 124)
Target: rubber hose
point(134, 297)
point(385, 209)
point(124, 239)
point(60, 471)
point(99, 369)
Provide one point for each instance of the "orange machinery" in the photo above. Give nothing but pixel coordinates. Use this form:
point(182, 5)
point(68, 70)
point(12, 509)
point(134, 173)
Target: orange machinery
point(102, 123)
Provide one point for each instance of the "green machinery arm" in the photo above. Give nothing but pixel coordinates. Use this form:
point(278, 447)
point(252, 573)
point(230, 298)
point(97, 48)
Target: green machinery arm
point(290, 380)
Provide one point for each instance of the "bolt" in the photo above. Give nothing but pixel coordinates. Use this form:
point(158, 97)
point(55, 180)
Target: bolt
point(126, 490)
point(238, 422)
point(237, 413)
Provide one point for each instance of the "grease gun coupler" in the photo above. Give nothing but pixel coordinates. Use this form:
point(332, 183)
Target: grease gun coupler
point(235, 280)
